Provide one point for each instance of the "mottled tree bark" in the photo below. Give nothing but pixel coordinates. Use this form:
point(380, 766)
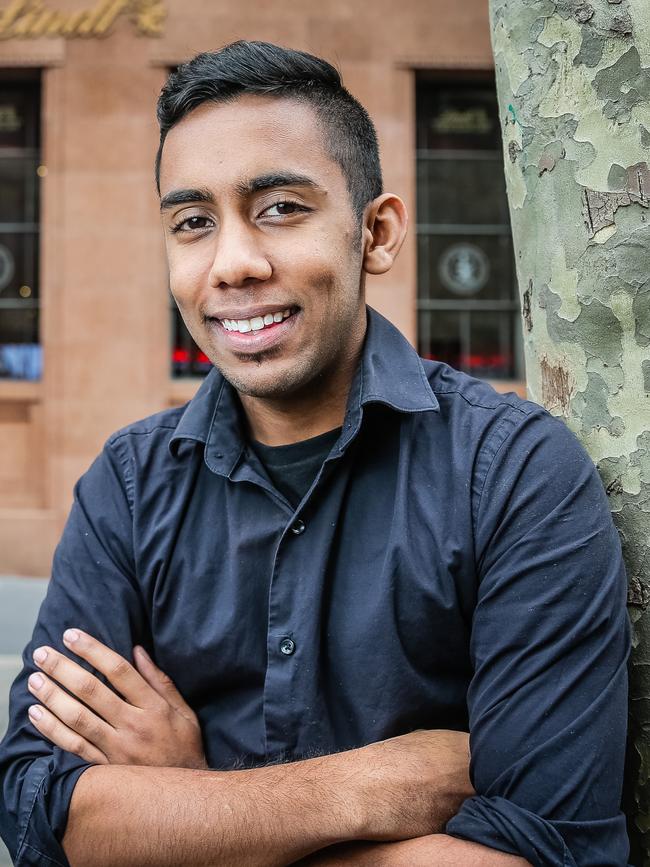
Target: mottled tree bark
point(573, 79)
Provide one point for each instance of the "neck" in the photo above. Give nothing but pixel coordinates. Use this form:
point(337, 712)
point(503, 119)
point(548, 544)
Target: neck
point(320, 408)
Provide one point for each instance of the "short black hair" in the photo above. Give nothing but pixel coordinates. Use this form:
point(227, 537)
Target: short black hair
point(262, 68)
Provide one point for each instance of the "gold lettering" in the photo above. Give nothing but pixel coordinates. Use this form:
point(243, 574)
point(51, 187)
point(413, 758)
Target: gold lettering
point(149, 17)
point(55, 24)
point(31, 18)
point(107, 20)
point(42, 23)
point(23, 26)
point(87, 27)
point(73, 23)
point(9, 16)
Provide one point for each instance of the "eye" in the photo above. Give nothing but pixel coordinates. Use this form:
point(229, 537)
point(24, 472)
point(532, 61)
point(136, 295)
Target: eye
point(285, 208)
point(191, 224)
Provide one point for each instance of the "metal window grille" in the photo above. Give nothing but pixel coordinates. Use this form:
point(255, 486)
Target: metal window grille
point(20, 173)
point(468, 309)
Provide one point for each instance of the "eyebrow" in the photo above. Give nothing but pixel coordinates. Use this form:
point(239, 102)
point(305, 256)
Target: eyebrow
point(244, 188)
point(276, 179)
point(185, 197)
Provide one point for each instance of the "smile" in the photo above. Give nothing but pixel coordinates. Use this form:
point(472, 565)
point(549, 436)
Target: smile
point(256, 323)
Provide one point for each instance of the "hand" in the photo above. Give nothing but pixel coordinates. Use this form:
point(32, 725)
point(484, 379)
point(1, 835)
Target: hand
point(150, 725)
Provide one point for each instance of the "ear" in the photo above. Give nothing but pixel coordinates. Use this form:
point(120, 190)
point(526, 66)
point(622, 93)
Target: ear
point(385, 223)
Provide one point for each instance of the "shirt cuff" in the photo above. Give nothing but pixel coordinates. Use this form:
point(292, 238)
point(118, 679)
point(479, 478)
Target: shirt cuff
point(45, 794)
point(500, 824)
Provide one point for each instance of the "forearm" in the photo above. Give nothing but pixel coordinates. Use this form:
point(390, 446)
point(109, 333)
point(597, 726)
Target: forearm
point(435, 849)
point(126, 816)
point(138, 816)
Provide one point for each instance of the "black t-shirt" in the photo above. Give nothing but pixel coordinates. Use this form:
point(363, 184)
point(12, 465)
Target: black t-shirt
point(292, 468)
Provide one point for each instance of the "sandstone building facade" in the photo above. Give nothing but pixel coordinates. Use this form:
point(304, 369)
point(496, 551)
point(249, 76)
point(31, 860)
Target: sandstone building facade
point(88, 337)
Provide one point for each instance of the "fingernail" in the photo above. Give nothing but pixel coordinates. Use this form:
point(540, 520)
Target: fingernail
point(40, 655)
point(143, 652)
point(70, 636)
point(36, 681)
point(35, 712)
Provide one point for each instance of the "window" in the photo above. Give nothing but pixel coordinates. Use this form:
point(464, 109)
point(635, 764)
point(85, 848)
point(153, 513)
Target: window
point(187, 359)
point(20, 171)
point(468, 309)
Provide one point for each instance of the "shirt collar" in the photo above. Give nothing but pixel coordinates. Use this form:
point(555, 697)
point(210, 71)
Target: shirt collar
point(390, 372)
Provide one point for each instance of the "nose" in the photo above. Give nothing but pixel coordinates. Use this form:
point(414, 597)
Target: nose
point(238, 259)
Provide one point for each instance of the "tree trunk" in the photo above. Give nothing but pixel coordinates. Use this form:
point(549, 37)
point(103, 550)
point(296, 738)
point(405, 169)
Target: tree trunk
point(573, 81)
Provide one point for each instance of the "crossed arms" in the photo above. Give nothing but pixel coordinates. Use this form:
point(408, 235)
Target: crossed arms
point(151, 800)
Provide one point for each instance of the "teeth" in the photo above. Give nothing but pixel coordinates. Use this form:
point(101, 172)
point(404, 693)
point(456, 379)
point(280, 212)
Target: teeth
point(257, 323)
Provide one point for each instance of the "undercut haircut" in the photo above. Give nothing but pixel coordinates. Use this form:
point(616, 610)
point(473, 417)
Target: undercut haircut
point(264, 69)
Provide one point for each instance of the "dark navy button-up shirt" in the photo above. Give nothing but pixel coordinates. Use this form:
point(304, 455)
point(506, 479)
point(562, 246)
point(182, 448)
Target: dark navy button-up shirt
point(458, 568)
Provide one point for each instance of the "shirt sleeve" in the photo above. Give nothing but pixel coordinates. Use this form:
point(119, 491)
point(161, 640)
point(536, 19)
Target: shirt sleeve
point(92, 587)
point(550, 640)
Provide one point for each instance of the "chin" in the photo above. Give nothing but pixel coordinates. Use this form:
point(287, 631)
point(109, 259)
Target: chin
point(261, 388)
point(261, 379)
point(259, 383)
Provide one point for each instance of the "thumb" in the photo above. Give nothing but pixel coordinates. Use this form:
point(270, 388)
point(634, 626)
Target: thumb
point(160, 682)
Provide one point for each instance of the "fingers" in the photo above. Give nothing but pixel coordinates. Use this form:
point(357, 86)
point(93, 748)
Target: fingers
point(60, 735)
point(161, 682)
point(81, 683)
point(120, 673)
point(71, 713)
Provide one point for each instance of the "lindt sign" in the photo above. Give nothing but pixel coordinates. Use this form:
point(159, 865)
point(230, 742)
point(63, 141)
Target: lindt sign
point(30, 19)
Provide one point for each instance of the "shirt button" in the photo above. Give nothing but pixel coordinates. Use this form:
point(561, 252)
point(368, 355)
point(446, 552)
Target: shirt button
point(287, 646)
point(298, 527)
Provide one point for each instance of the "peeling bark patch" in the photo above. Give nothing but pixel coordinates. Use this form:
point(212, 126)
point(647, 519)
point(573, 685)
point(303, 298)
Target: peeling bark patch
point(622, 24)
point(599, 209)
point(526, 311)
point(556, 389)
point(638, 183)
point(614, 488)
point(550, 157)
point(513, 151)
point(637, 594)
point(584, 13)
point(595, 326)
point(617, 177)
point(645, 367)
point(546, 164)
point(645, 136)
point(623, 85)
point(591, 49)
point(591, 408)
point(641, 307)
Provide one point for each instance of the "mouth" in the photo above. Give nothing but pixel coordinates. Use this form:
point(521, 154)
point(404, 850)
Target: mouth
point(260, 322)
point(265, 331)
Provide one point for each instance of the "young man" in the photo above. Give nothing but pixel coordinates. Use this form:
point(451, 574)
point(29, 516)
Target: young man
point(342, 557)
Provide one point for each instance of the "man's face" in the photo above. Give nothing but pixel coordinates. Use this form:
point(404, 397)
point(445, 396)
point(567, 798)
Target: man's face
point(260, 231)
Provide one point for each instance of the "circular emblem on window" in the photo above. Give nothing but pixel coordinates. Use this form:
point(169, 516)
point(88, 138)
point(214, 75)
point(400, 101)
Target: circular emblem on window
point(464, 269)
point(6, 266)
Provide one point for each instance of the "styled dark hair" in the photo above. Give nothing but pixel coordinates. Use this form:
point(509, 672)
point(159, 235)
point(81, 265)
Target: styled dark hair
point(262, 68)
